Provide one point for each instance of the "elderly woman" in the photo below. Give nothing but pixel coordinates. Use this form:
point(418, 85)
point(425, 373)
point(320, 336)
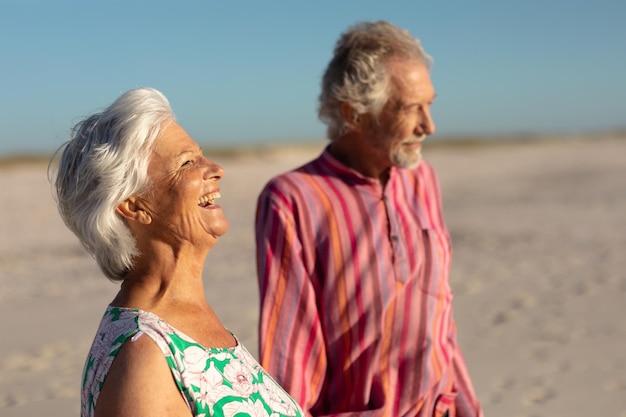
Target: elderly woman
point(140, 195)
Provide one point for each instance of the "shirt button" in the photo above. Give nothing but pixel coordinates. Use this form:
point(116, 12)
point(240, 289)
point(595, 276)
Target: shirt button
point(394, 238)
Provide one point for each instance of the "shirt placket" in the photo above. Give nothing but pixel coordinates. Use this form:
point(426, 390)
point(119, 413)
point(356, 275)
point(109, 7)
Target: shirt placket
point(396, 242)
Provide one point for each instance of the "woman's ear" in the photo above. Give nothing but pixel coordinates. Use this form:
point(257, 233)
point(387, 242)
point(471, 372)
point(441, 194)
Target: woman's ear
point(131, 210)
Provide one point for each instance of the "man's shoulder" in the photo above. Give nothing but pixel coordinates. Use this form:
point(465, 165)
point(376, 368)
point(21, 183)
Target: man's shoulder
point(423, 176)
point(427, 170)
point(423, 170)
point(298, 177)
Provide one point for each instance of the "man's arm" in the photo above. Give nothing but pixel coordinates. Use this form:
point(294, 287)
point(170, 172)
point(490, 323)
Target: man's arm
point(466, 402)
point(291, 343)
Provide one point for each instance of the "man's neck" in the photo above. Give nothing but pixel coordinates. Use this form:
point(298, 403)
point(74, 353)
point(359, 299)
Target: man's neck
point(349, 151)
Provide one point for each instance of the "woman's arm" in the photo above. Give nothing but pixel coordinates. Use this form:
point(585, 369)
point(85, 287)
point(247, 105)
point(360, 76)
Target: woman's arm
point(140, 383)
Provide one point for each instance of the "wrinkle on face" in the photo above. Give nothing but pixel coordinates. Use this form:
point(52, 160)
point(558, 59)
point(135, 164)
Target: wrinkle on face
point(180, 175)
point(405, 119)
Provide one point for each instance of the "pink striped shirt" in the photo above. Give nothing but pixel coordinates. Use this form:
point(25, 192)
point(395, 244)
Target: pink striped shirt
point(356, 310)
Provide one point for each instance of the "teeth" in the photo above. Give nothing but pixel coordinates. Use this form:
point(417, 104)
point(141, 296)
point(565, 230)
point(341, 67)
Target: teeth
point(209, 198)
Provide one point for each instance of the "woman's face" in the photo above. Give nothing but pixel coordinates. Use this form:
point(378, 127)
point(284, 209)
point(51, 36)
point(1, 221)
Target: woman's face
point(183, 190)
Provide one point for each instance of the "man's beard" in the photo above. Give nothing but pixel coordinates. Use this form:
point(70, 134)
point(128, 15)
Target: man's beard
point(405, 156)
point(401, 154)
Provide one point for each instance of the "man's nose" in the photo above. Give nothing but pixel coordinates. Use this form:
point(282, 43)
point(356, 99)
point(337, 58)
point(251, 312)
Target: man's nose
point(426, 125)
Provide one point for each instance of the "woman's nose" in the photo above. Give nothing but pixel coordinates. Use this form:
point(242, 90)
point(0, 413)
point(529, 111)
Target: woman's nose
point(213, 170)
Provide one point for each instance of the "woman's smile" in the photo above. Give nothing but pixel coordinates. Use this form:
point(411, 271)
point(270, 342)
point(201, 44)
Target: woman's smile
point(208, 200)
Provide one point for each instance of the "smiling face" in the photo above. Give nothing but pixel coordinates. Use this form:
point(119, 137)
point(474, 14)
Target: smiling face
point(183, 188)
point(405, 120)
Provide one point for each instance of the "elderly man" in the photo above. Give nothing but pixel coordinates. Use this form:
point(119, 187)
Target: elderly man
point(353, 254)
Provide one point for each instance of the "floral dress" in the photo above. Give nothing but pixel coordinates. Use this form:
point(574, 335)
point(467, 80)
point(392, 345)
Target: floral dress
point(213, 381)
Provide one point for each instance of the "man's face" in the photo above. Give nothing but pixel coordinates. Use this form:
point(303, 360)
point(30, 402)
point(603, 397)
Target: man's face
point(405, 120)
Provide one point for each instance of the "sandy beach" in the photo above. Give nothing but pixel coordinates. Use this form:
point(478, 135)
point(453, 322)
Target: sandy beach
point(539, 275)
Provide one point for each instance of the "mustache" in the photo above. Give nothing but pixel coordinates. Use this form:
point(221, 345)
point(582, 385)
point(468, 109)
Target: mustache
point(414, 139)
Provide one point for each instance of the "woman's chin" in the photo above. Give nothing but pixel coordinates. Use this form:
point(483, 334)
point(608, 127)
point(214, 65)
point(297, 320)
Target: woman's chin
point(217, 227)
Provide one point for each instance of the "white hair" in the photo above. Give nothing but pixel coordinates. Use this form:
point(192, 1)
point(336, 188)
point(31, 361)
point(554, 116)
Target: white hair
point(357, 72)
point(104, 162)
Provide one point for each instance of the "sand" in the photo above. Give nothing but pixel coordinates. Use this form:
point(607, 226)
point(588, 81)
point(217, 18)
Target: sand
point(539, 275)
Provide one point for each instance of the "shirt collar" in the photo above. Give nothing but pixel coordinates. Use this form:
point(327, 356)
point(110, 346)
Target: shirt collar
point(348, 173)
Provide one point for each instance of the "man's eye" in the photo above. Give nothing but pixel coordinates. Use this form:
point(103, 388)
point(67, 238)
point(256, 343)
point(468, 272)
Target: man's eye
point(186, 163)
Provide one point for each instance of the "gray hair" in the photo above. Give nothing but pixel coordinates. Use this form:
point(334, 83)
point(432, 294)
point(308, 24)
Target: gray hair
point(357, 72)
point(104, 162)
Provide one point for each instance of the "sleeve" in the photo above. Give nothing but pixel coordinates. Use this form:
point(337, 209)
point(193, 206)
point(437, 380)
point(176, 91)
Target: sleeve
point(291, 343)
point(466, 403)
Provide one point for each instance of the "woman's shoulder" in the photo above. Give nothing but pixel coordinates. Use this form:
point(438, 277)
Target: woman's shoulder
point(109, 353)
point(140, 368)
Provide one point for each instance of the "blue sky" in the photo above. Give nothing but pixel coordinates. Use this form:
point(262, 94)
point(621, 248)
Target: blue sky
point(248, 71)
